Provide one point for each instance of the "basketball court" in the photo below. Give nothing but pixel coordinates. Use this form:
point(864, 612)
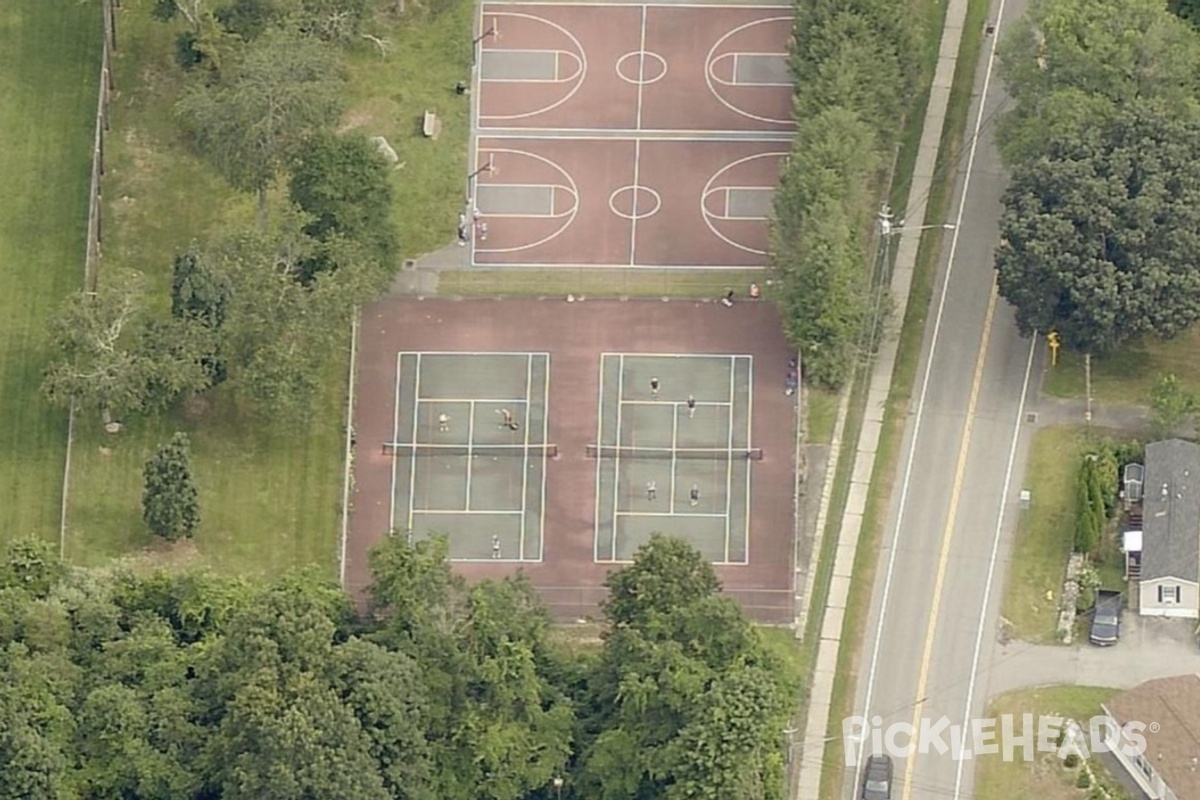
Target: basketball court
point(628, 135)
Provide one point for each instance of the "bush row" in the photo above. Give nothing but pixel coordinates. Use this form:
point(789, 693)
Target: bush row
point(856, 65)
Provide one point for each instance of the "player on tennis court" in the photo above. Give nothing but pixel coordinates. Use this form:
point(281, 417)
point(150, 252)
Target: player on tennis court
point(495, 546)
point(443, 422)
point(651, 490)
point(694, 496)
point(654, 387)
point(506, 420)
point(691, 404)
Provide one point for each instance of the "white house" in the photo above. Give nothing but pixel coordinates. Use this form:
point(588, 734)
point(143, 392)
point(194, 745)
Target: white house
point(1170, 536)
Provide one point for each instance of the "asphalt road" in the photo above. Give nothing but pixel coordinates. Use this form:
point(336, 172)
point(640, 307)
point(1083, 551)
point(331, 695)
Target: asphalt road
point(932, 631)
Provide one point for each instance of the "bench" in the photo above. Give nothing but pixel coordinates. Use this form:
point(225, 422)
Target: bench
point(431, 126)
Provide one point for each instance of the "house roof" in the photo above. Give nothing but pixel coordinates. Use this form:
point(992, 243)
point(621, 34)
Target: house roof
point(1173, 704)
point(1171, 511)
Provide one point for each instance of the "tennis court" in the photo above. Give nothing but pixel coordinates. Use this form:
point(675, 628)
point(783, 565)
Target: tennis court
point(469, 451)
point(674, 453)
point(563, 498)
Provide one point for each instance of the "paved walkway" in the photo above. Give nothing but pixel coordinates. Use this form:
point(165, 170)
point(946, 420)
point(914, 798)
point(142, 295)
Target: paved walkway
point(812, 745)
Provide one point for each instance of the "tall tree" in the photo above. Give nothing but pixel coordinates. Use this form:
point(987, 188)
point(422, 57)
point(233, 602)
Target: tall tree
point(1099, 234)
point(1170, 404)
point(343, 183)
point(170, 502)
point(104, 360)
point(822, 290)
point(1071, 64)
point(278, 332)
point(250, 121)
point(666, 573)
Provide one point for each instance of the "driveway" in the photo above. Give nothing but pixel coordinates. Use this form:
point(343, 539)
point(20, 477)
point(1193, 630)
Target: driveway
point(1150, 647)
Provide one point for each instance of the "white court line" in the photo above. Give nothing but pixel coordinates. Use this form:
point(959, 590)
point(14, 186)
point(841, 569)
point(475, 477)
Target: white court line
point(516, 265)
point(640, 354)
point(525, 455)
point(628, 134)
point(729, 446)
point(412, 472)
point(641, 80)
point(509, 400)
point(557, 69)
point(668, 514)
point(735, 82)
point(637, 166)
point(549, 213)
point(674, 451)
point(490, 353)
point(608, 4)
point(475, 512)
point(599, 462)
point(545, 437)
point(579, 78)
point(709, 61)
point(568, 217)
point(492, 561)
point(617, 460)
point(714, 403)
point(749, 442)
point(470, 451)
point(395, 434)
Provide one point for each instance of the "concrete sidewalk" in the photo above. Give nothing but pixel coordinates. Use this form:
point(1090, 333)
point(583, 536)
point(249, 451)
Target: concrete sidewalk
point(812, 746)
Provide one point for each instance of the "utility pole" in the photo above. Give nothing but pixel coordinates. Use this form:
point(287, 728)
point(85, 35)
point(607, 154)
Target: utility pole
point(1087, 379)
point(885, 220)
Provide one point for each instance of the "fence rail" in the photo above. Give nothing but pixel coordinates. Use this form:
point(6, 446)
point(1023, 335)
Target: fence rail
point(573, 603)
point(91, 258)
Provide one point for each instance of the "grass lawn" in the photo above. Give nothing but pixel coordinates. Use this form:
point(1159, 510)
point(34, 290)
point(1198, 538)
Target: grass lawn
point(270, 496)
point(1127, 375)
point(598, 282)
point(1045, 534)
point(1045, 777)
point(822, 415)
point(49, 73)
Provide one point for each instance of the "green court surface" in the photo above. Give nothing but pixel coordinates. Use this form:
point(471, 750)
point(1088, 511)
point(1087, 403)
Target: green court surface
point(457, 468)
point(653, 451)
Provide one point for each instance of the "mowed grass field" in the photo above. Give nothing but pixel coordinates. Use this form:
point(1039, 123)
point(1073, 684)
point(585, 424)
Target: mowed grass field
point(49, 63)
point(270, 493)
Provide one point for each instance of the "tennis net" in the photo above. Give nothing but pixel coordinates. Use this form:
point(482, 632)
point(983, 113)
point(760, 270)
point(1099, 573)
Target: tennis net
point(408, 449)
point(669, 453)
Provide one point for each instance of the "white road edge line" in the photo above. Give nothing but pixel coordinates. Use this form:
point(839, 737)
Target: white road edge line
point(991, 575)
point(920, 413)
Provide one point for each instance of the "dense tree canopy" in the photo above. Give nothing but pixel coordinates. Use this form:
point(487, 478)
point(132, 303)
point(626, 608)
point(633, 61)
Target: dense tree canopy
point(1101, 233)
point(343, 183)
point(252, 119)
point(185, 685)
point(856, 66)
point(1070, 64)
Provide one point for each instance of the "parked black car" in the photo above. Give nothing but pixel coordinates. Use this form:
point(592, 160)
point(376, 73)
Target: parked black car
point(1106, 618)
point(877, 778)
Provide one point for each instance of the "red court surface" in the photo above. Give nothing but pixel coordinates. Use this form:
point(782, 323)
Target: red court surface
point(567, 573)
point(679, 213)
point(627, 135)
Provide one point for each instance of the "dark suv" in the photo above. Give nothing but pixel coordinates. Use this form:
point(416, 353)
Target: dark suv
point(877, 778)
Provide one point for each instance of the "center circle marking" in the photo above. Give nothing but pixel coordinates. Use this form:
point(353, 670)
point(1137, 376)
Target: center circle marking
point(641, 67)
point(634, 202)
